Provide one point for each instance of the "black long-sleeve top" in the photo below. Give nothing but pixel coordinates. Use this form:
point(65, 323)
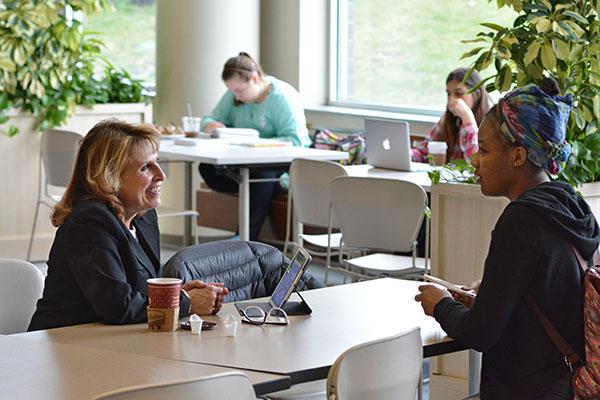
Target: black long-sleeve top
point(530, 253)
point(97, 270)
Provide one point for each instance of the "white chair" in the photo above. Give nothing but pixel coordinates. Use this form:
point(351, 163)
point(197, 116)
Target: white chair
point(58, 149)
point(383, 369)
point(225, 386)
point(380, 214)
point(21, 285)
point(310, 199)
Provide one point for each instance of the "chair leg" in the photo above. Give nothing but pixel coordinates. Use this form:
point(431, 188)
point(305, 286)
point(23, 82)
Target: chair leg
point(35, 217)
point(195, 228)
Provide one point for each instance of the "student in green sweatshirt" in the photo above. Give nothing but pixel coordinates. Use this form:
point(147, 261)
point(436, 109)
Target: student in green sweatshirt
point(269, 105)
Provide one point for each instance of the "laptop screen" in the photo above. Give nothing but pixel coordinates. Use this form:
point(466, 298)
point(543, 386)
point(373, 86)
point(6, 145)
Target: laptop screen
point(388, 144)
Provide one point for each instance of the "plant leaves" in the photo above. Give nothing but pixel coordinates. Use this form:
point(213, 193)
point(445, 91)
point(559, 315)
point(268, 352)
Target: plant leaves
point(543, 25)
point(592, 142)
point(471, 52)
point(561, 49)
point(493, 26)
point(576, 16)
point(532, 52)
point(596, 103)
point(548, 57)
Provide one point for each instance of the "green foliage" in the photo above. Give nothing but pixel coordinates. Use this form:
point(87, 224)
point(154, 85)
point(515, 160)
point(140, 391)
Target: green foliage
point(47, 62)
point(559, 38)
point(458, 170)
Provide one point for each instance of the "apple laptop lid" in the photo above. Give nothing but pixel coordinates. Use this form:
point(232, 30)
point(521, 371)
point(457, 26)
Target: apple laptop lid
point(388, 145)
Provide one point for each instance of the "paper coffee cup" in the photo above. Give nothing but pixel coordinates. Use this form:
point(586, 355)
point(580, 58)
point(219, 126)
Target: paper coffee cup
point(437, 151)
point(163, 303)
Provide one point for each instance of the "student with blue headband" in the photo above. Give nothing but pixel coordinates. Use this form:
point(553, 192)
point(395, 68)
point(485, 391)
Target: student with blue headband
point(521, 143)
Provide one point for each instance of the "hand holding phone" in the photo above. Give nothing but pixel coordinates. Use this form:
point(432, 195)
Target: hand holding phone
point(450, 286)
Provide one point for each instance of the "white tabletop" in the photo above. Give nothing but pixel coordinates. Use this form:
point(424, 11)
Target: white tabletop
point(221, 152)
point(343, 316)
point(33, 369)
point(419, 177)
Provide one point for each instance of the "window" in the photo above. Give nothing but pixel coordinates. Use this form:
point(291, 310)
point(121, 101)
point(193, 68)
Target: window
point(393, 54)
point(129, 35)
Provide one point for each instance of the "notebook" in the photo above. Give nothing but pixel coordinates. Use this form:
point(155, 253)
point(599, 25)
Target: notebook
point(388, 146)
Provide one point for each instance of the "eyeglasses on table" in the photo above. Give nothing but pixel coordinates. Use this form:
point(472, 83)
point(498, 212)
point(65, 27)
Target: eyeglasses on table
point(257, 316)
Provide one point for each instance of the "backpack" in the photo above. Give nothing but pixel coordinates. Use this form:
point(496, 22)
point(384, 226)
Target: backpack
point(354, 144)
point(586, 375)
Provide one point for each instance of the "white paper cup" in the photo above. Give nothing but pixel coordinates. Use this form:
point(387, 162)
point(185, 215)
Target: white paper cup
point(196, 326)
point(231, 328)
point(437, 151)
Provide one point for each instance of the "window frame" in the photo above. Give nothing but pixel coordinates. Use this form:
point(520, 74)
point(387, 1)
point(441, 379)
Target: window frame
point(338, 62)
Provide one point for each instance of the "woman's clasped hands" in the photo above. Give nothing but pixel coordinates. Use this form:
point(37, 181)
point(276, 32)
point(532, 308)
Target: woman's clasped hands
point(206, 298)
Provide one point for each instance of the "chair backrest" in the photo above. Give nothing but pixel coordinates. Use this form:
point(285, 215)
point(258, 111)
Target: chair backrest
point(309, 185)
point(21, 285)
point(59, 149)
point(378, 213)
point(384, 369)
point(225, 386)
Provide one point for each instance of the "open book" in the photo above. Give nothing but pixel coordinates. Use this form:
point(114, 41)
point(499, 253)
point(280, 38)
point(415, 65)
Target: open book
point(450, 286)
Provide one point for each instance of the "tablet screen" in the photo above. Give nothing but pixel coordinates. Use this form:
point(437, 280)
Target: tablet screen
point(290, 278)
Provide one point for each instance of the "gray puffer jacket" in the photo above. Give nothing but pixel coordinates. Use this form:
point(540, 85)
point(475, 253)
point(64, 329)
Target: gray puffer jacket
point(248, 269)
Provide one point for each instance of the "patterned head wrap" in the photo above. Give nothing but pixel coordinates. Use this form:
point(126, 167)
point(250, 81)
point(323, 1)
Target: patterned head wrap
point(536, 118)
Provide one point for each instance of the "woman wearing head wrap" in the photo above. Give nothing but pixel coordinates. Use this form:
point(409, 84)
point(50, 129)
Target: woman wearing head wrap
point(521, 141)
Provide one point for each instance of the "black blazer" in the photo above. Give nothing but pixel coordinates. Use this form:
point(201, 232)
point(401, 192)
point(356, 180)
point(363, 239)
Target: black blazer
point(97, 270)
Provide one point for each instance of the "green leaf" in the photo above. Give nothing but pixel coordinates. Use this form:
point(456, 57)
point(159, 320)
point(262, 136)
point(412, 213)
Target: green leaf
point(543, 25)
point(548, 57)
point(532, 52)
point(493, 26)
point(561, 49)
point(596, 103)
point(471, 52)
point(592, 142)
point(576, 16)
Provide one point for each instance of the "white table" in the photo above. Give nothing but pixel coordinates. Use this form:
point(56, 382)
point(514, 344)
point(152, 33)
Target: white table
point(33, 369)
point(419, 177)
point(222, 152)
point(343, 316)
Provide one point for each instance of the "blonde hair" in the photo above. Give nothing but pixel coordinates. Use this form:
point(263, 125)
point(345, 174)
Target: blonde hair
point(101, 160)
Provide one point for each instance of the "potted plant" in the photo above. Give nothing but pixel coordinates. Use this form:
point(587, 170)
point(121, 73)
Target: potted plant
point(49, 78)
point(48, 61)
point(558, 38)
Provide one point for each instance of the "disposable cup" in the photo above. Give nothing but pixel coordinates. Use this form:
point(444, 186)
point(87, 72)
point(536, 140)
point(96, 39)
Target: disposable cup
point(196, 326)
point(191, 126)
point(231, 328)
point(163, 303)
point(437, 151)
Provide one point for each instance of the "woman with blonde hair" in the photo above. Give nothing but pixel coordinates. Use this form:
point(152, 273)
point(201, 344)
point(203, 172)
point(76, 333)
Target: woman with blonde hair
point(107, 243)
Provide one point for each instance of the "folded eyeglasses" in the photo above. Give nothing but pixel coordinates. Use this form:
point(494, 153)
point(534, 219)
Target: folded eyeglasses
point(257, 316)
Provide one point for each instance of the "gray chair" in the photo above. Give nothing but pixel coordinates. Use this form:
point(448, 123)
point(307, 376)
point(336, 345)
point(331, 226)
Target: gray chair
point(386, 369)
point(310, 199)
point(378, 214)
point(248, 269)
point(21, 285)
point(58, 150)
point(226, 386)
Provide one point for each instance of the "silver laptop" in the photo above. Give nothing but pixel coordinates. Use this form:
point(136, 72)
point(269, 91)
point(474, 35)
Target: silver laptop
point(388, 145)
